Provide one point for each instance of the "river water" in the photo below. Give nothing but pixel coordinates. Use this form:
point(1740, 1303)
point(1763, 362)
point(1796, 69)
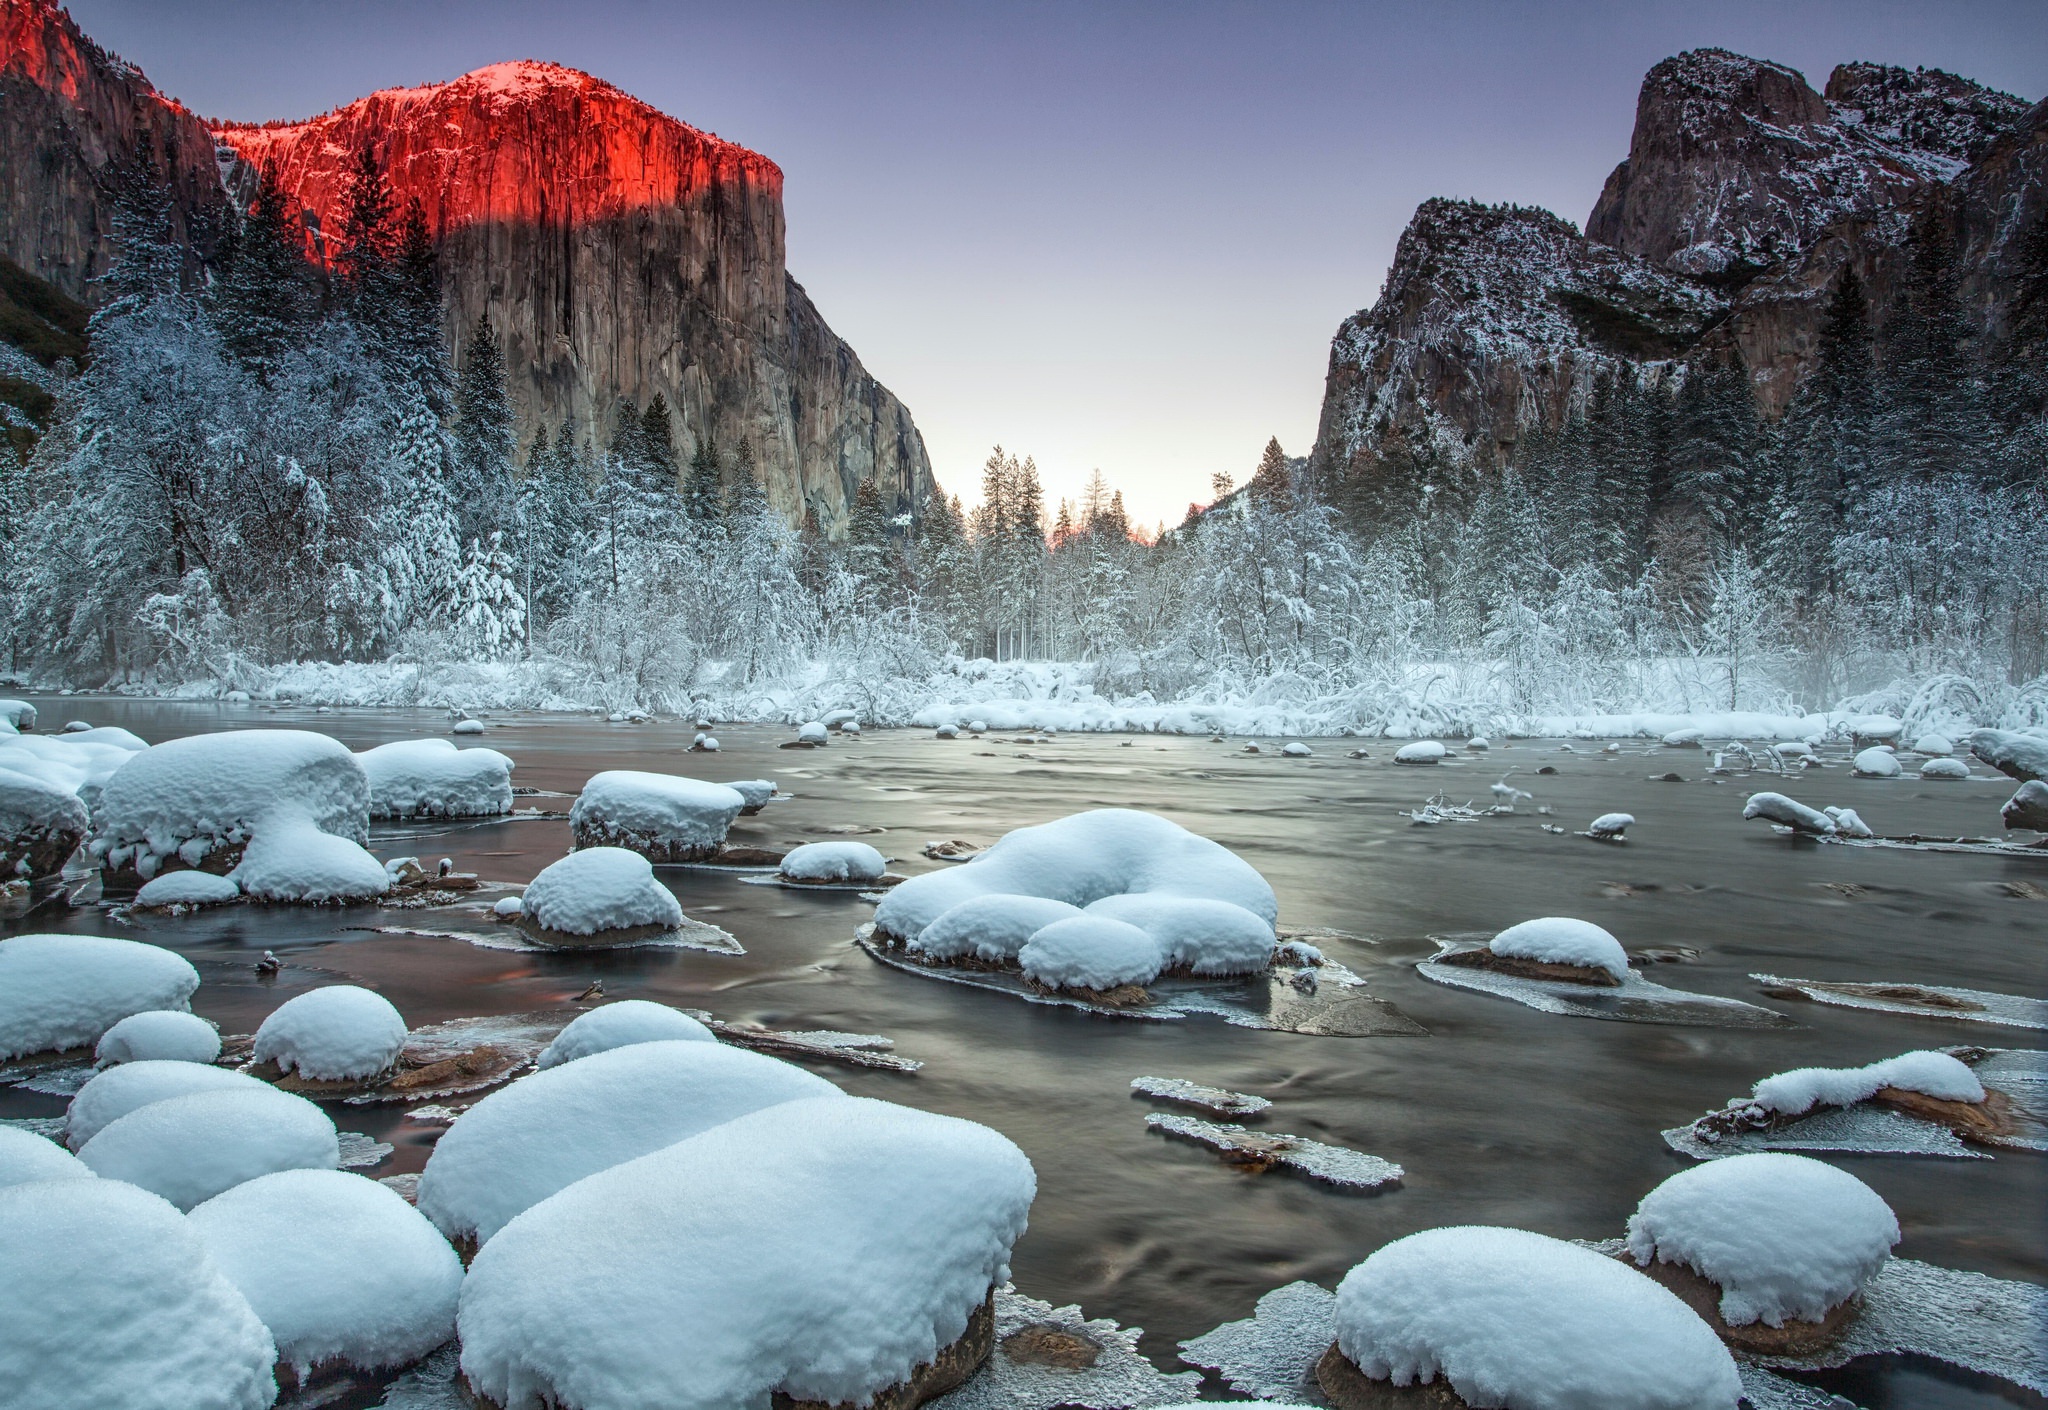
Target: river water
point(1500, 1114)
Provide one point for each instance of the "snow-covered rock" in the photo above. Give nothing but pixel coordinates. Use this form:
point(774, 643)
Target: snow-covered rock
point(1196, 934)
point(1612, 825)
point(833, 861)
point(1562, 940)
point(339, 1268)
point(755, 793)
point(506, 907)
point(1688, 738)
point(813, 732)
point(41, 824)
point(114, 1093)
point(598, 890)
point(190, 1148)
point(1931, 1073)
point(619, 1025)
point(1422, 751)
point(1875, 762)
point(1783, 1236)
point(1877, 729)
point(2028, 806)
point(946, 732)
point(25, 1156)
point(2017, 755)
point(664, 817)
point(1090, 952)
point(1788, 812)
point(1479, 744)
point(468, 727)
point(1511, 1318)
point(1933, 745)
point(1295, 749)
point(337, 1033)
point(188, 888)
point(824, 1248)
point(703, 743)
point(431, 778)
point(543, 1133)
point(18, 714)
point(65, 991)
point(290, 859)
point(977, 726)
point(988, 928)
point(170, 1035)
point(1944, 768)
point(128, 1311)
point(1848, 823)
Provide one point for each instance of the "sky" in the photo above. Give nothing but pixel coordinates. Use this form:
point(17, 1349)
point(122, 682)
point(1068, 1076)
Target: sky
point(1112, 236)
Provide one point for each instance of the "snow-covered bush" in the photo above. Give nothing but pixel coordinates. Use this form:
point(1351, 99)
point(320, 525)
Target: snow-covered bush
point(1875, 762)
point(171, 1035)
point(290, 859)
point(620, 1025)
point(1563, 940)
point(65, 991)
point(833, 861)
point(1090, 952)
point(190, 1148)
point(188, 888)
point(598, 890)
point(127, 1309)
point(431, 778)
point(543, 1133)
point(664, 817)
point(1781, 1235)
point(1422, 751)
point(825, 1248)
point(338, 1267)
point(25, 1156)
point(41, 824)
point(114, 1093)
point(1511, 1318)
point(337, 1033)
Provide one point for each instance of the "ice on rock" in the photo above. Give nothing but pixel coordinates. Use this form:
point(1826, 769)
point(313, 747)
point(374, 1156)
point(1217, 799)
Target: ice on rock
point(168, 1034)
point(337, 1266)
point(1217, 1101)
point(664, 817)
point(816, 862)
point(1788, 812)
point(1272, 1353)
point(755, 793)
point(65, 991)
point(190, 1148)
point(1511, 1318)
point(820, 1248)
point(188, 888)
point(1422, 751)
point(987, 928)
point(431, 778)
point(128, 1311)
point(1783, 1236)
point(1848, 823)
point(342, 1032)
point(1116, 1376)
point(1562, 940)
point(1931, 1073)
point(41, 824)
point(597, 890)
point(1875, 763)
point(25, 1156)
point(291, 859)
point(1925, 1000)
point(1265, 1150)
point(1090, 952)
point(114, 1093)
point(1944, 768)
point(2017, 755)
point(543, 1133)
point(620, 1025)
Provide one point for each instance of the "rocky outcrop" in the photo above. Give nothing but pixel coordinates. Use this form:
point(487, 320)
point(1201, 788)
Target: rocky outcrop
point(621, 254)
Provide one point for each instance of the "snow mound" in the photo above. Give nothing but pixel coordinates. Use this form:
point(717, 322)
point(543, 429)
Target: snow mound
point(171, 1035)
point(467, 727)
point(621, 1025)
point(333, 1034)
point(2020, 756)
point(1783, 1235)
point(1931, 1073)
point(1944, 768)
point(755, 793)
point(989, 928)
point(133, 1085)
point(1091, 952)
point(1295, 749)
point(338, 1267)
point(813, 732)
point(543, 1133)
point(1562, 940)
point(190, 1148)
point(665, 817)
point(129, 1312)
point(290, 859)
point(187, 888)
point(821, 1248)
point(1933, 744)
point(599, 888)
point(1512, 1318)
point(25, 1156)
point(833, 861)
point(1612, 824)
point(1788, 812)
point(41, 824)
point(1422, 751)
point(431, 778)
point(1196, 934)
point(65, 991)
point(1875, 763)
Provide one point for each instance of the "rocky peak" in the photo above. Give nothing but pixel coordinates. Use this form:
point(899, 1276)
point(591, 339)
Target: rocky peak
point(1923, 111)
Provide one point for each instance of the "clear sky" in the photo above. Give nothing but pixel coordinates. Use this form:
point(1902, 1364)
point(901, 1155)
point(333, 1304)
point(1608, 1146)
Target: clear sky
point(1114, 235)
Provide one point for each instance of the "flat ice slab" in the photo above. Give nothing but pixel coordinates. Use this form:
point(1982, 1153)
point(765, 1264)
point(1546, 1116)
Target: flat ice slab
point(1929, 1000)
point(1262, 1150)
point(1217, 1101)
point(1635, 1000)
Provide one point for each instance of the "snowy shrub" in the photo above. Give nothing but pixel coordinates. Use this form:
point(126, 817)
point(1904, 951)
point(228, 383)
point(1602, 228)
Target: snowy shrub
point(337, 1033)
point(159, 1034)
point(65, 991)
point(25, 1156)
point(115, 1092)
point(599, 889)
point(431, 778)
point(190, 1148)
point(664, 817)
point(619, 1025)
point(833, 861)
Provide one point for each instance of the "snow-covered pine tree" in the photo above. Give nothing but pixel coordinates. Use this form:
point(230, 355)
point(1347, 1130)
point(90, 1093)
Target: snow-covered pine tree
point(704, 484)
point(484, 435)
point(487, 621)
point(422, 553)
point(263, 298)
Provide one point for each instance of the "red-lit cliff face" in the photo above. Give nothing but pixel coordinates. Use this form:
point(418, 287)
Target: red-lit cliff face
point(620, 253)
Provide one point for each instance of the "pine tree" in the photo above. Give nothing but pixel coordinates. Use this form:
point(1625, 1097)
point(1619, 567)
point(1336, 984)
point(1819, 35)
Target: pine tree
point(657, 439)
point(484, 434)
point(367, 260)
point(745, 497)
point(1934, 419)
point(147, 262)
point(264, 296)
point(704, 484)
point(1272, 482)
point(418, 347)
point(488, 612)
point(1825, 444)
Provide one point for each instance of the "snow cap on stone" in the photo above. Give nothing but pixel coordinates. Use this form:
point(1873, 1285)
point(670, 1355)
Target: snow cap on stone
point(1091, 952)
point(833, 861)
point(170, 1034)
point(133, 1085)
point(190, 1148)
point(599, 888)
point(337, 1033)
point(1562, 940)
point(432, 778)
point(65, 991)
point(619, 1025)
point(25, 1156)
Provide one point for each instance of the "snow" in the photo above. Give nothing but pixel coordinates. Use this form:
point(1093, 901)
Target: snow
point(599, 888)
point(1788, 812)
point(1944, 768)
point(946, 732)
point(1612, 824)
point(1332, 1165)
point(1783, 1235)
point(1848, 823)
point(1875, 762)
point(187, 888)
point(2028, 806)
point(1295, 749)
point(1931, 1073)
point(18, 714)
point(755, 793)
point(1563, 940)
point(35, 810)
point(25, 1156)
point(813, 732)
point(65, 991)
point(619, 1025)
point(338, 1267)
point(1686, 738)
point(1197, 934)
point(1422, 751)
point(833, 861)
point(332, 1034)
point(467, 727)
point(76, 763)
point(1933, 744)
point(821, 1248)
point(1516, 1319)
point(190, 1148)
point(128, 1312)
point(158, 1034)
point(2021, 755)
point(114, 1093)
point(663, 816)
point(990, 928)
point(1217, 1101)
point(1090, 952)
point(505, 907)
point(543, 1133)
point(290, 859)
point(431, 778)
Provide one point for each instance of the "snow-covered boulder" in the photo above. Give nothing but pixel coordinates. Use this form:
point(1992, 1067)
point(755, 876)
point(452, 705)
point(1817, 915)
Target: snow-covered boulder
point(977, 726)
point(1788, 812)
point(338, 1267)
point(1933, 745)
point(991, 929)
point(1090, 952)
point(1479, 744)
point(702, 743)
point(1781, 1238)
point(826, 1249)
point(1944, 768)
point(663, 817)
point(290, 859)
point(431, 778)
point(1563, 941)
point(755, 794)
point(1874, 729)
point(825, 862)
point(946, 732)
point(128, 1312)
point(2028, 806)
point(1511, 1318)
point(813, 733)
point(1295, 749)
point(2017, 755)
point(169, 1035)
point(18, 714)
point(598, 895)
point(1685, 739)
point(1848, 823)
point(188, 888)
point(1875, 762)
point(1422, 751)
point(197, 801)
point(65, 991)
point(1793, 749)
point(1928, 1072)
point(467, 727)
point(133, 1085)
point(339, 1033)
point(41, 825)
point(543, 1133)
point(1194, 933)
point(190, 1148)
point(25, 1156)
point(1611, 826)
point(620, 1025)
